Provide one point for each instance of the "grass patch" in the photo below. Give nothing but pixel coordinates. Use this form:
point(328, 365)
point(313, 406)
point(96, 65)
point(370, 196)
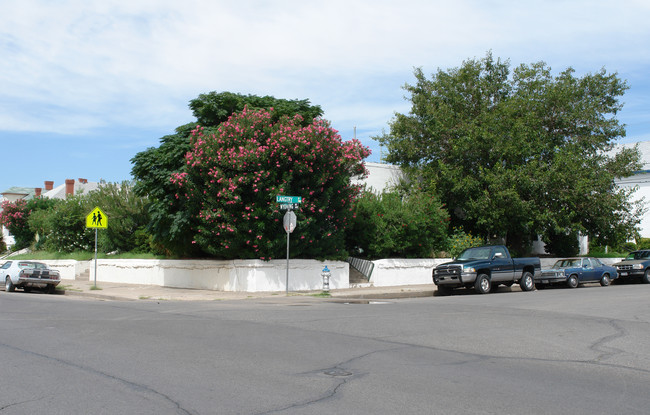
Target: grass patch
point(61, 287)
point(94, 287)
point(323, 294)
point(144, 297)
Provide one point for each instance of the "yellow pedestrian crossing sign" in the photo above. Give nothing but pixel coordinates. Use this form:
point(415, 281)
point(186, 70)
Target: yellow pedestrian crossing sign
point(97, 219)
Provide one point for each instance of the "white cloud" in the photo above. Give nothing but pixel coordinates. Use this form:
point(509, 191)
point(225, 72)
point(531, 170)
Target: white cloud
point(71, 66)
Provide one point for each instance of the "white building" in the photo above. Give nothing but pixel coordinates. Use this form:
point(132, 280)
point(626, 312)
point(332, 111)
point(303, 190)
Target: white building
point(640, 180)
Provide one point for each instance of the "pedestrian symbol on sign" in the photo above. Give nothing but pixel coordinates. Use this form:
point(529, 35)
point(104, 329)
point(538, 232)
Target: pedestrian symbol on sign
point(97, 219)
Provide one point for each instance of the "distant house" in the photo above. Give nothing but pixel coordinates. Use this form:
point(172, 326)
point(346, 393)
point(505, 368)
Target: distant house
point(69, 187)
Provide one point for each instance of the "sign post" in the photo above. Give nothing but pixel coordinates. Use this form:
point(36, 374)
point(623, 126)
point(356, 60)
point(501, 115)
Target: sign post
point(289, 222)
point(98, 220)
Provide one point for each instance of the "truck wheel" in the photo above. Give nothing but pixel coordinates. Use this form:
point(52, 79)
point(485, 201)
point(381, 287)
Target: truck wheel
point(646, 277)
point(9, 286)
point(482, 284)
point(572, 281)
point(604, 281)
point(527, 282)
point(442, 290)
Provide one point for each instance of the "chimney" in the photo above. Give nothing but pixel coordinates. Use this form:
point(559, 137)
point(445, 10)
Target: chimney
point(69, 187)
point(37, 191)
point(49, 185)
point(83, 181)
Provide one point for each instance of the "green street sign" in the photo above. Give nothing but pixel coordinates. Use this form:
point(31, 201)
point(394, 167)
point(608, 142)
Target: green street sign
point(288, 199)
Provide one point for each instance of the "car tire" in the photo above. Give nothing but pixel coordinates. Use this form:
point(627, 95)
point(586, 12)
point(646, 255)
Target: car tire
point(482, 285)
point(573, 281)
point(527, 282)
point(443, 291)
point(605, 280)
point(646, 277)
point(9, 286)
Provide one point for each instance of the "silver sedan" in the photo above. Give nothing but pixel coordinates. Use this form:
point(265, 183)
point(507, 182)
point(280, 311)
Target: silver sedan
point(28, 275)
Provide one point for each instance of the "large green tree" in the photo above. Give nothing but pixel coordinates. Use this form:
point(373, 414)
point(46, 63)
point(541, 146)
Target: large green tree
point(519, 152)
point(172, 219)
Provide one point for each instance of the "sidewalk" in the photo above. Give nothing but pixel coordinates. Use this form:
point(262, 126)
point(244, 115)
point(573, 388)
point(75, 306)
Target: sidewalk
point(135, 292)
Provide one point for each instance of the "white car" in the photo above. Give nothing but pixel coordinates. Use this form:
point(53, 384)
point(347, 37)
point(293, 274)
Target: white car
point(28, 275)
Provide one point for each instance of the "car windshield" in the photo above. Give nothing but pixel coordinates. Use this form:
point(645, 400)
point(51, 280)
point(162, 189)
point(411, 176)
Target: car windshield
point(474, 253)
point(568, 263)
point(638, 255)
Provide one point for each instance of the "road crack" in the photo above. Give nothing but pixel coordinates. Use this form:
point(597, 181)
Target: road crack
point(131, 385)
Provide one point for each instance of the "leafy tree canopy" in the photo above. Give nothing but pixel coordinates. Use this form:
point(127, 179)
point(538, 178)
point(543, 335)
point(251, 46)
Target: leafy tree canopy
point(172, 219)
point(213, 108)
point(519, 152)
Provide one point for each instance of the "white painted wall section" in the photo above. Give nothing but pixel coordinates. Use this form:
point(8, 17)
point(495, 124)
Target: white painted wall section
point(395, 272)
point(237, 275)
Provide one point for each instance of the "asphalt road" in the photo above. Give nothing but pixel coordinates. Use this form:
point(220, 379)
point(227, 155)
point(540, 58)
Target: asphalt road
point(556, 351)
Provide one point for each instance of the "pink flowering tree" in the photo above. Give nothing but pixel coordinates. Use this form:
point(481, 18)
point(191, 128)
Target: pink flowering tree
point(14, 217)
point(232, 178)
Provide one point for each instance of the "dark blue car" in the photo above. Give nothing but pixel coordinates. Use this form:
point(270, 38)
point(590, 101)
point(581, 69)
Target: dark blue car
point(575, 271)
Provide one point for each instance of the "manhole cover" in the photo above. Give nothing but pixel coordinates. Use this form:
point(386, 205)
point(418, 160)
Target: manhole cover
point(337, 372)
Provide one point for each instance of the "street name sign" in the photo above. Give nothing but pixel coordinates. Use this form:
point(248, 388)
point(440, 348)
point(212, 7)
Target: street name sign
point(288, 199)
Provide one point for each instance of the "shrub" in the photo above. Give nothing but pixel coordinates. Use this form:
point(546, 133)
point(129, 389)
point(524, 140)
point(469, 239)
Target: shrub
point(643, 243)
point(460, 241)
point(397, 224)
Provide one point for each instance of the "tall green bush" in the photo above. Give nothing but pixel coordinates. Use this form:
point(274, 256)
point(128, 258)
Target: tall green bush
point(127, 217)
point(397, 224)
point(65, 226)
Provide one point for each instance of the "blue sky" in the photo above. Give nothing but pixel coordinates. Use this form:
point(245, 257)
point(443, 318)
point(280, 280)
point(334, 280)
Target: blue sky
point(85, 85)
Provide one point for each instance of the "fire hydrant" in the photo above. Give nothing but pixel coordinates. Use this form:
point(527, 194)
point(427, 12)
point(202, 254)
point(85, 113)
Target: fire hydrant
point(326, 274)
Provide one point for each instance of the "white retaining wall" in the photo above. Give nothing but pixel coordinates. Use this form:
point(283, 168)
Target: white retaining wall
point(394, 272)
point(253, 275)
point(399, 271)
point(237, 275)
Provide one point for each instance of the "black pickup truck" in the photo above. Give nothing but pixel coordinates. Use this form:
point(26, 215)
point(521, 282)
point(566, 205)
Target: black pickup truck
point(484, 268)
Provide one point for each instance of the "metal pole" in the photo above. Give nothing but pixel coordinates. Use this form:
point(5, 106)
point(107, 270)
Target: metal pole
point(287, 263)
point(95, 257)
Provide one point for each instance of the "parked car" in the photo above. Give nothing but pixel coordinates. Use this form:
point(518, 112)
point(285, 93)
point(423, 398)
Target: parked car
point(636, 265)
point(575, 271)
point(28, 275)
point(484, 268)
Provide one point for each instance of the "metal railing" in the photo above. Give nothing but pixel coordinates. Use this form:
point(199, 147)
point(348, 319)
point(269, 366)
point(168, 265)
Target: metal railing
point(364, 266)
